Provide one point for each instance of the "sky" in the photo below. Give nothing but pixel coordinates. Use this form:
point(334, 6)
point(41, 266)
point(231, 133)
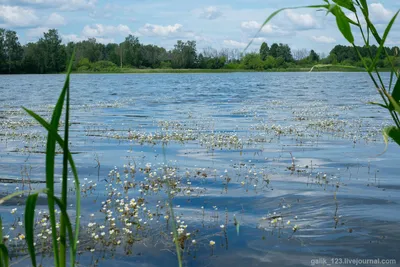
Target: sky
point(218, 23)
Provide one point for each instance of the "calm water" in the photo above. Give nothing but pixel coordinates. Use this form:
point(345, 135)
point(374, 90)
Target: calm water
point(343, 197)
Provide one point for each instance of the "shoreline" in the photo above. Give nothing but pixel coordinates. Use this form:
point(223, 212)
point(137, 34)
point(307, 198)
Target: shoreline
point(183, 71)
point(193, 71)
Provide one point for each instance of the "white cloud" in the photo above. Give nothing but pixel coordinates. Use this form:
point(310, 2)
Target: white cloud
point(75, 38)
point(36, 33)
point(102, 33)
point(72, 38)
point(163, 31)
point(379, 14)
point(55, 20)
point(301, 21)
point(15, 16)
point(259, 40)
point(210, 13)
point(253, 26)
point(323, 39)
point(236, 44)
point(392, 42)
point(100, 30)
point(61, 4)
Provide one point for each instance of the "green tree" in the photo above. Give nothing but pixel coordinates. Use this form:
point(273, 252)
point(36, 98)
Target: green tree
point(184, 55)
point(112, 53)
point(52, 51)
point(273, 51)
point(90, 49)
point(131, 51)
point(313, 57)
point(253, 61)
point(30, 62)
point(13, 51)
point(2, 50)
point(270, 63)
point(264, 50)
point(152, 56)
point(284, 52)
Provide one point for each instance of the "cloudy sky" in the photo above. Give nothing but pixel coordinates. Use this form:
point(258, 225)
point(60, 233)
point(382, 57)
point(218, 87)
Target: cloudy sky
point(217, 23)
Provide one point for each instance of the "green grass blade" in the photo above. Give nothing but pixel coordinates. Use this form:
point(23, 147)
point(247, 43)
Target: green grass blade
point(60, 141)
point(237, 224)
point(373, 30)
point(382, 43)
point(50, 162)
point(1, 231)
point(64, 186)
point(68, 225)
point(343, 23)
point(394, 103)
point(370, 27)
point(6, 198)
point(364, 6)
point(2, 255)
point(279, 11)
point(391, 75)
point(378, 104)
point(396, 91)
point(29, 226)
point(346, 4)
point(392, 132)
point(6, 257)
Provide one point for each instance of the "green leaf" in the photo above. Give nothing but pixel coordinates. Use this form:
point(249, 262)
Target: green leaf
point(394, 104)
point(364, 6)
point(64, 186)
point(346, 4)
point(29, 226)
point(60, 141)
point(382, 43)
point(50, 162)
point(1, 231)
point(3, 251)
point(373, 30)
point(279, 11)
point(65, 218)
point(396, 91)
point(392, 132)
point(6, 257)
point(343, 23)
point(8, 197)
point(378, 104)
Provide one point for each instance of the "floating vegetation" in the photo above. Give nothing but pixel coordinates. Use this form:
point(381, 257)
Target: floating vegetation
point(250, 170)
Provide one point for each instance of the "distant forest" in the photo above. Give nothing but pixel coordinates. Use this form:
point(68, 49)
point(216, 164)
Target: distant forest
point(50, 55)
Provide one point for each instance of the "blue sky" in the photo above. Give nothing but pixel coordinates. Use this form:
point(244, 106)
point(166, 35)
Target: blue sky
point(218, 24)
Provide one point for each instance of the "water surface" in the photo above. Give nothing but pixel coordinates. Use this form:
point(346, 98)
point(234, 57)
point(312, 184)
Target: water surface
point(299, 147)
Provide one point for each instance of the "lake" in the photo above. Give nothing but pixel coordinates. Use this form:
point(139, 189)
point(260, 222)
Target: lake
point(278, 169)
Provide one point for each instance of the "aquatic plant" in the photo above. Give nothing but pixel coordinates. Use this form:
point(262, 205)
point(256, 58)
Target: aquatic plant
point(59, 239)
point(389, 94)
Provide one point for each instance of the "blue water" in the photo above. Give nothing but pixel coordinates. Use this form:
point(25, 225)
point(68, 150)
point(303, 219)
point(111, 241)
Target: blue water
point(233, 125)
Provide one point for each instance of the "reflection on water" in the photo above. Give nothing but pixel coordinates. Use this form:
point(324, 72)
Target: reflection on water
point(275, 168)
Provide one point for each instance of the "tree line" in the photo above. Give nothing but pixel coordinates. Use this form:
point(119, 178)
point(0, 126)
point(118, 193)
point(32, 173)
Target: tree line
point(50, 55)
